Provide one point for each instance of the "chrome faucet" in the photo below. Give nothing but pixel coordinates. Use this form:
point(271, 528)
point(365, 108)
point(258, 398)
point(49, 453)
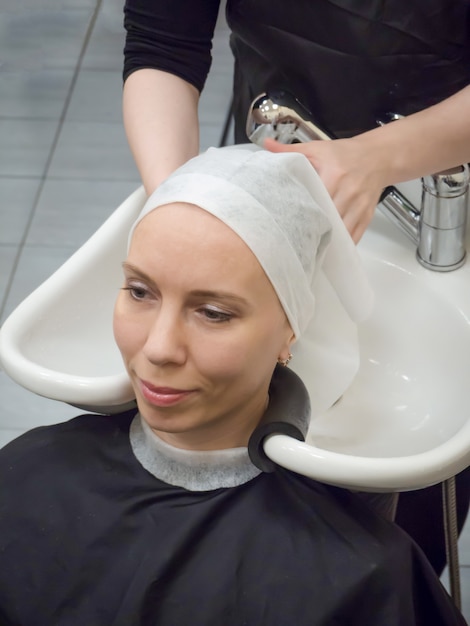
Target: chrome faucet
point(437, 228)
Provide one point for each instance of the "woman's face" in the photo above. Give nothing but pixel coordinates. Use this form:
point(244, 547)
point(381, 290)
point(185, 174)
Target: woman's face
point(200, 329)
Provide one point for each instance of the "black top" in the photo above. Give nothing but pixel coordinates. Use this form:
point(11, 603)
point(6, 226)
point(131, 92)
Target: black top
point(348, 62)
point(88, 537)
point(171, 35)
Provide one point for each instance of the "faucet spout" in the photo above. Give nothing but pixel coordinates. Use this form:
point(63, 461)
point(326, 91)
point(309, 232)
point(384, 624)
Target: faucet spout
point(437, 228)
point(401, 212)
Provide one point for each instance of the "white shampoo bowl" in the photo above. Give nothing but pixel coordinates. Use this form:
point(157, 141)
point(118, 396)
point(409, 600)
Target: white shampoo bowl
point(403, 424)
point(39, 345)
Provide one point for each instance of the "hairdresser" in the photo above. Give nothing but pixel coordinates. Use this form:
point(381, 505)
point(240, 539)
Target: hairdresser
point(349, 63)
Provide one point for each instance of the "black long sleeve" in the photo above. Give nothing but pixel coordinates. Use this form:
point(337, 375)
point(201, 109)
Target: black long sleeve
point(170, 35)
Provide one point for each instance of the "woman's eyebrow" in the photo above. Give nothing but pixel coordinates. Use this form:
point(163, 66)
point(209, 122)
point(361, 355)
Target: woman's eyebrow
point(219, 295)
point(132, 269)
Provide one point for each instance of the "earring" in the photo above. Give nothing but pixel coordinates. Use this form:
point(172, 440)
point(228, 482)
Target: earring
point(285, 362)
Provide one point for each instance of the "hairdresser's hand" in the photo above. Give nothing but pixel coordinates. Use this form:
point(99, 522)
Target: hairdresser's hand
point(350, 173)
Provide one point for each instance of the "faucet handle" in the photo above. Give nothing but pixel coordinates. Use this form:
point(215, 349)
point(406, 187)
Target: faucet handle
point(448, 183)
point(388, 117)
point(278, 115)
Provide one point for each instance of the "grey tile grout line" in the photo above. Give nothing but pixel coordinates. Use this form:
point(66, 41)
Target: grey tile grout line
point(55, 140)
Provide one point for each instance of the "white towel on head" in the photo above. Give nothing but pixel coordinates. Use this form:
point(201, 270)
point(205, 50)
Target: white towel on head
point(280, 208)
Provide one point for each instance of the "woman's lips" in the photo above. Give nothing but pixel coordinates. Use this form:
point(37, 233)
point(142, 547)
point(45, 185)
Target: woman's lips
point(163, 396)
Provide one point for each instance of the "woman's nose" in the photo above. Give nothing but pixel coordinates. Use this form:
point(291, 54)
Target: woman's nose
point(166, 339)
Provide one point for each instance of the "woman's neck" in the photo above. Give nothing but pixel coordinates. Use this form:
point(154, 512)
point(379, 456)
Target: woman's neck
point(191, 469)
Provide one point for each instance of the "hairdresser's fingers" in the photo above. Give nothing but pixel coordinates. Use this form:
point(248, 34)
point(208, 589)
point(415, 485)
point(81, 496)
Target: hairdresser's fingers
point(355, 199)
point(348, 176)
point(356, 212)
point(274, 146)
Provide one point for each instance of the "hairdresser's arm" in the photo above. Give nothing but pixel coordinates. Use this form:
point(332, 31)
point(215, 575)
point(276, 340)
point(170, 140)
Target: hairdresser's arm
point(161, 122)
point(167, 57)
point(356, 170)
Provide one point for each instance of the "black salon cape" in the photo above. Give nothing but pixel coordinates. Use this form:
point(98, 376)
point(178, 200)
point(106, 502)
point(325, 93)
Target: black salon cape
point(89, 538)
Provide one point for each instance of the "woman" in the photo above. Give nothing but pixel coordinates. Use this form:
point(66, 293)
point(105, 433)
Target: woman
point(159, 516)
point(351, 64)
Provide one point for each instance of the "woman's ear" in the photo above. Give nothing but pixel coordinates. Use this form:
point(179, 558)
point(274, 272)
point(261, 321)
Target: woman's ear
point(285, 354)
point(291, 337)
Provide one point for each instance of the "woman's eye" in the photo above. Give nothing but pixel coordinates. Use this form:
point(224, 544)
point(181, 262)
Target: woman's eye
point(136, 292)
point(216, 315)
